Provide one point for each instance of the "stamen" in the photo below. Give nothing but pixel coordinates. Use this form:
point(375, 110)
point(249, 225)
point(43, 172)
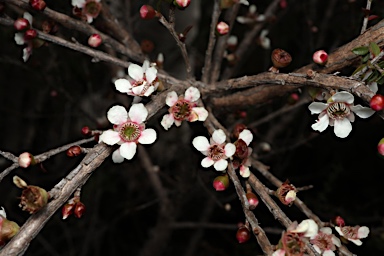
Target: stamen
point(181, 110)
point(216, 152)
point(338, 110)
point(130, 132)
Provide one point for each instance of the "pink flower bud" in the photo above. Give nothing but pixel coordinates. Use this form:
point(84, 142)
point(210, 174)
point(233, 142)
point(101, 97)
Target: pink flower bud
point(147, 12)
point(243, 234)
point(338, 221)
point(320, 57)
point(79, 210)
point(94, 40)
point(38, 5)
point(26, 159)
point(380, 147)
point(67, 210)
point(181, 4)
point(222, 28)
point(21, 24)
point(252, 200)
point(30, 34)
point(221, 183)
point(377, 102)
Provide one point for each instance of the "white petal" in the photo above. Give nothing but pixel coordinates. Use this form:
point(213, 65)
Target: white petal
point(201, 143)
point(321, 124)
point(138, 113)
point(279, 252)
point(109, 137)
point(145, 66)
point(244, 171)
point(342, 128)
point(317, 107)
point(244, 2)
point(308, 227)
point(177, 123)
point(151, 74)
point(192, 94)
point(373, 87)
point(363, 232)
point(27, 51)
point(149, 91)
point(336, 241)
point(89, 18)
point(138, 90)
point(78, 3)
point(201, 113)
point(317, 248)
point(116, 157)
point(221, 165)
point(218, 136)
point(167, 121)
point(343, 97)
point(362, 112)
point(19, 38)
point(326, 230)
point(128, 150)
point(246, 136)
point(207, 162)
point(28, 17)
point(356, 241)
point(338, 229)
point(171, 98)
point(148, 136)
point(123, 85)
point(117, 115)
point(229, 149)
point(328, 253)
point(2, 212)
point(136, 72)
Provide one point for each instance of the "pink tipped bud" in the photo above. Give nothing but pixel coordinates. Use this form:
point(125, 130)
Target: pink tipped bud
point(79, 210)
point(181, 4)
point(377, 102)
point(74, 151)
point(243, 234)
point(338, 221)
point(221, 183)
point(380, 147)
point(30, 34)
point(86, 131)
point(21, 24)
point(320, 57)
point(222, 28)
point(26, 159)
point(252, 200)
point(147, 12)
point(94, 40)
point(38, 5)
point(67, 210)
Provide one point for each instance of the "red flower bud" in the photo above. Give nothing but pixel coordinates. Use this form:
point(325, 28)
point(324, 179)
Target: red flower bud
point(377, 102)
point(79, 209)
point(38, 5)
point(21, 24)
point(67, 210)
point(221, 183)
point(30, 34)
point(74, 151)
point(320, 57)
point(338, 221)
point(86, 131)
point(222, 28)
point(241, 149)
point(147, 12)
point(94, 40)
point(243, 234)
point(252, 200)
point(181, 4)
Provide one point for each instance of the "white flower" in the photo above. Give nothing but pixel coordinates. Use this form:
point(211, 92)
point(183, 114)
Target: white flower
point(2, 212)
point(183, 108)
point(217, 151)
point(353, 234)
point(128, 130)
point(338, 112)
point(90, 9)
point(325, 242)
point(144, 80)
point(307, 227)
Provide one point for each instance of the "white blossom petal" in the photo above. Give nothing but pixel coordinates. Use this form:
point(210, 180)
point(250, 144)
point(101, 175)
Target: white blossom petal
point(221, 165)
point(27, 51)
point(109, 137)
point(342, 127)
point(2, 212)
point(244, 171)
point(373, 87)
point(356, 241)
point(123, 85)
point(246, 136)
point(145, 66)
point(149, 91)
point(363, 232)
point(317, 248)
point(317, 107)
point(343, 96)
point(218, 136)
point(362, 112)
point(177, 123)
point(201, 113)
point(19, 38)
point(167, 121)
point(78, 3)
point(28, 16)
point(128, 150)
point(116, 157)
point(171, 98)
point(192, 94)
point(138, 90)
point(328, 253)
point(136, 72)
point(117, 115)
point(148, 136)
point(321, 124)
point(279, 252)
point(201, 143)
point(326, 230)
point(207, 162)
point(151, 74)
point(138, 113)
point(89, 18)
point(229, 149)
point(338, 229)
point(336, 241)
point(308, 227)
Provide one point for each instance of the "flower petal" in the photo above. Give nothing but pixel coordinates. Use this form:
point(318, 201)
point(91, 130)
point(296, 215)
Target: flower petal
point(28, 17)
point(201, 112)
point(78, 3)
point(363, 232)
point(229, 149)
point(151, 74)
point(308, 227)
point(136, 72)
point(117, 115)
point(138, 113)
point(343, 96)
point(218, 136)
point(116, 157)
point(19, 38)
point(317, 107)
point(27, 51)
point(321, 124)
point(149, 91)
point(167, 121)
point(201, 143)
point(109, 137)
point(356, 241)
point(171, 98)
point(328, 253)
point(148, 136)
point(192, 94)
point(123, 85)
point(342, 127)
point(244, 171)
point(128, 150)
point(246, 136)
point(207, 162)
point(138, 90)
point(362, 112)
point(221, 165)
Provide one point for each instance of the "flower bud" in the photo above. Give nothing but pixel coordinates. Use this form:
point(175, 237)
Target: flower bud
point(243, 234)
point(252, 200)
point(92, 9)
point(222, 28)
point(8, 229)
point(147, 12)
point(338, 221)
point(79, 209)
point(286, 193)
point(221, 183)
point(67, 210)
point(94, 40)
point(74, 151)
point(38, 5)
point(380, 147)
point(30, 34)
point(181, 4)
point(86, 131)
point(280, 59)
point(377, 102)
point(320, 57)
point(26, 159)
point(21, 24)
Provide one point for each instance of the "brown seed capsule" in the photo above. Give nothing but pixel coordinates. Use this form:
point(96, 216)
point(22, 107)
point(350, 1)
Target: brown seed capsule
point(280, 58)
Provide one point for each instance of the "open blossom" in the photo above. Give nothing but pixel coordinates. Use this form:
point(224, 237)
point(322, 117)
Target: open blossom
point(338, 112)
point(128, 131)
point(88, 9)
point(183, 108)
point(20, 38)
point(325, 242)
point(353, 234)
point(144, 81)
point(216, 151)
point(307, 228)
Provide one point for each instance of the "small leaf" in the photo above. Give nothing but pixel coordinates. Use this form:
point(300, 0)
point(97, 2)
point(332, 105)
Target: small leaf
point(374, 49)
point(380, 81)
point(362, 50)
point(381, 64)
point(365, 58)
point(359, 68)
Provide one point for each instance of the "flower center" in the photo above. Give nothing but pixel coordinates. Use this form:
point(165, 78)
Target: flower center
point(216, 152)
point(349, 232)
point(323, 241)
point(130, 131)
point(181, 110)
point(92, 8)
point(338, 110)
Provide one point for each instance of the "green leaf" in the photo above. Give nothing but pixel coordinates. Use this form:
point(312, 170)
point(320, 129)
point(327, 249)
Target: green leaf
point(365, 58)
point(362, 50)
point(374, 49)
point(359, 68)
point(380, 81)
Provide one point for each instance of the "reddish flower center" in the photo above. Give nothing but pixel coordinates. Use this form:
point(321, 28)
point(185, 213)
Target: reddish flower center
point(130, 131)
point(292, 244)
point(338, 110)
point(216, 152)
point(92, 8)
point(323, 241)
point(181, 110)
point(350, 232)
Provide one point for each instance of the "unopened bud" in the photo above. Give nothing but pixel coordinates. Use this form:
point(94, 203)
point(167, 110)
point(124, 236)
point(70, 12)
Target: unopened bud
point(280, 59)
point(94, 40)
point(380, 147)
point(338, 221)
point(86, 131)
point(221, 183)
point(222, 28)
point(30, 34)
point(79, 209)
point(241, 149)
point(38, 5)
point(74, 151)
point(377, 102)
point(252, 200)
point(147, 12)
point(243, 234)
point(21, 24)
point(26, 159)
point(67, 210)
point(181, 4)
point(320, 57)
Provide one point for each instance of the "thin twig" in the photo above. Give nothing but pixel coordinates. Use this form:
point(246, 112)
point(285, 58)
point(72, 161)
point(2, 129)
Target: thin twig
point(366, 16)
